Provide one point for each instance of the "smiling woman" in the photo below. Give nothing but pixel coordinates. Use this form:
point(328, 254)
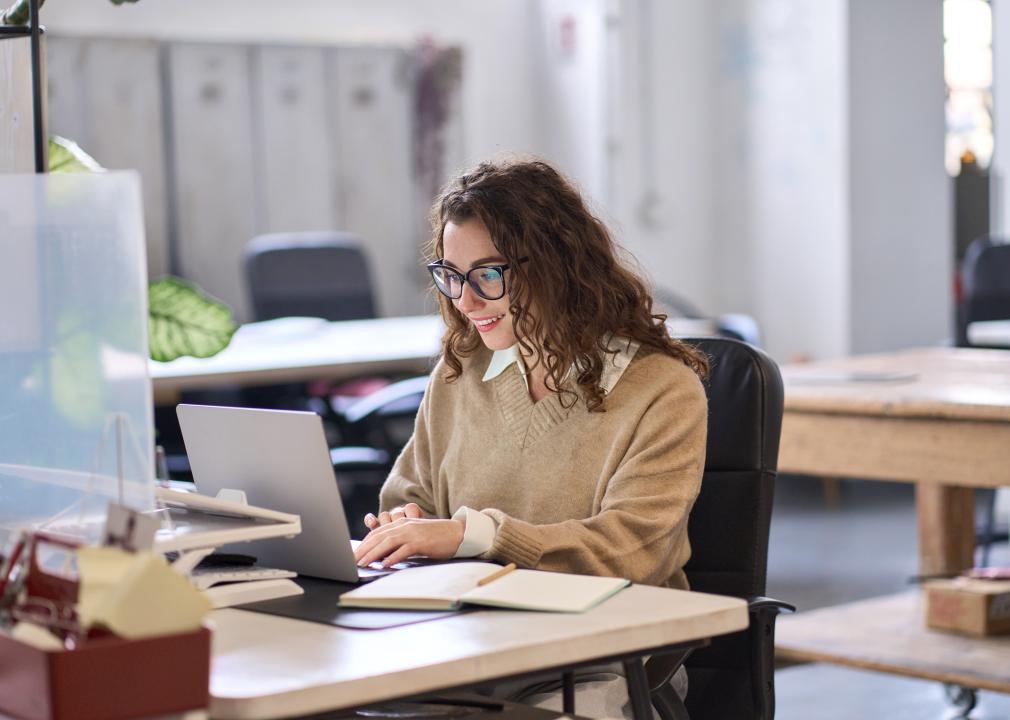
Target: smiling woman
point(563, 429)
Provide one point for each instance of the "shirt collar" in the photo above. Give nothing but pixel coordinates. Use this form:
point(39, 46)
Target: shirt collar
point(613, 365)
point(501, 360)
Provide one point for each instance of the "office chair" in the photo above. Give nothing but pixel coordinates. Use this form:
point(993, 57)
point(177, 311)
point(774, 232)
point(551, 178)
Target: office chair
point(311, 274)
point(985, 285)
point(326, 275)
point(732, 325)
point(985, 295)
point(373, 430)
point(733, 677)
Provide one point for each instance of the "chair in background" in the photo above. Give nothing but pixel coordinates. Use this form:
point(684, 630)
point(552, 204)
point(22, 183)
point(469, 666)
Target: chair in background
point(985, 295)
point(732, 325)
point(733, 677)
point(311, 274)
point(326, 275)
point(985, 285)
point(374, 430)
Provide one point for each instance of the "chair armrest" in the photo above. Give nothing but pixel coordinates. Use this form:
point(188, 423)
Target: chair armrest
point(352, 458)
point(661, 666)
point(759, 604)
point(376, 401)
point(763, 611)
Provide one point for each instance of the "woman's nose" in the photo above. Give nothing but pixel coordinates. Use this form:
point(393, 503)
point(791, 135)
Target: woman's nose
point(468, 299)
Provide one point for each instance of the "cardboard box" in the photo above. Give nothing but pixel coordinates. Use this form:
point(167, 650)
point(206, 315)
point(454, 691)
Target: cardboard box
point(106, 679)
point(968, 605)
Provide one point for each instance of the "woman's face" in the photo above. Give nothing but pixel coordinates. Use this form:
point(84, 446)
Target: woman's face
point(466, 246)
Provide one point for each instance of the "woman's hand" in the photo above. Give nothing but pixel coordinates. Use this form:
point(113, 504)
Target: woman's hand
point(398, 539)
point(410, 510)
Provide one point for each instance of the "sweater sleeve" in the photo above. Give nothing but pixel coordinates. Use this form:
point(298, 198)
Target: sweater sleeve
point(640, 532)
point(410, 479)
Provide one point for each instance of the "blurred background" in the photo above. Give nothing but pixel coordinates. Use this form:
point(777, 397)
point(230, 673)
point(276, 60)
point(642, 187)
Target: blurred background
point(791, 160)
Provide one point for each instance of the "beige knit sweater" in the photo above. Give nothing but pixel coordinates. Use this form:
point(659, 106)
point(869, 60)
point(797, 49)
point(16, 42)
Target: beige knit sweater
point(601, 493)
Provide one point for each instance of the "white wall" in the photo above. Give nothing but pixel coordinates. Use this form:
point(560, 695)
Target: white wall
point(496, 37)
point(901, 196)
point(662, 190)
point(781, 227)
point(17, 136)
point(570, 97)
point(999, 170)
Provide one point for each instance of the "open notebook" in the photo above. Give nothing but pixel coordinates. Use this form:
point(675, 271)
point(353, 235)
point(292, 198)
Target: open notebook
point(447, 587)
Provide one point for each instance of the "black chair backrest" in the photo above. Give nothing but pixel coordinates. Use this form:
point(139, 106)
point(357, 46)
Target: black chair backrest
point(985, 284)
point(312, 274)
point(729, 524)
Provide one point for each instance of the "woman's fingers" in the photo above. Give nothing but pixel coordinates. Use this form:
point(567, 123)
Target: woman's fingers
point(371, 522)
point(410, 510)
point(399, 539)
point(399, 555)
point(383, 549)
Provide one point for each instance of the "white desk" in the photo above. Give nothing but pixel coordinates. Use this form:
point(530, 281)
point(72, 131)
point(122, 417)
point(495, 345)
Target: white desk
point(304, 349)
point(269, 667)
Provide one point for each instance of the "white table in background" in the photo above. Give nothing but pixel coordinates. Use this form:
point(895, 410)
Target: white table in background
point(306, 349)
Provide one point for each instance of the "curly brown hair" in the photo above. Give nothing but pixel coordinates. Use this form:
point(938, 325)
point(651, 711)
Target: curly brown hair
point(573, 294)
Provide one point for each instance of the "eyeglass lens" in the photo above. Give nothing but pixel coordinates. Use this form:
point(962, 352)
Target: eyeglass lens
point(487, 282)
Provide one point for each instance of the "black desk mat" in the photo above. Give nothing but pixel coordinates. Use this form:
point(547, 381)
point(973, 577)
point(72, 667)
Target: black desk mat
point(319, 604)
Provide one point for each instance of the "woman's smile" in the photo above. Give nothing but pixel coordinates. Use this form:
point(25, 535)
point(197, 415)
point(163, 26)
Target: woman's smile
point(486, 324)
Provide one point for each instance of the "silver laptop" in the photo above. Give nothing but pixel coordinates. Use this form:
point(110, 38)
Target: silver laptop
point(280, 460)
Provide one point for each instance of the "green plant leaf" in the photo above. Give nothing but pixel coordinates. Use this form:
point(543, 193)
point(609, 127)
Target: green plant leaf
point(74, 365)
point(67, 156)
point(185, 321)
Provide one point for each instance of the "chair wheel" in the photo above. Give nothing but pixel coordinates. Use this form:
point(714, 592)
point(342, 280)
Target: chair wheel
point(962, 698)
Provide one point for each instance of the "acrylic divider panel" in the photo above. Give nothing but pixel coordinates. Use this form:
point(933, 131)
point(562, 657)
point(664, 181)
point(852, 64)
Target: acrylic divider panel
point(76, 425)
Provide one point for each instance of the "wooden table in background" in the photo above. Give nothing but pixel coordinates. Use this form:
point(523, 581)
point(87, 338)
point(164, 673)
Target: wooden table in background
point(937, 417)
point(942, 422)
point(889, 634)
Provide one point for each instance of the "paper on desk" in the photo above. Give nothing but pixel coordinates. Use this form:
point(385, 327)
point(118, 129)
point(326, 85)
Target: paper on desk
point(136, 594)
point(36, 636)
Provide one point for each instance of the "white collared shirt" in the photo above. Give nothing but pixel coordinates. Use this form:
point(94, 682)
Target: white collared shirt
point(479, 529)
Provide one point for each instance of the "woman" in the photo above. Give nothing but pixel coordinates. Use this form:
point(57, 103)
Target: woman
point(562, 429)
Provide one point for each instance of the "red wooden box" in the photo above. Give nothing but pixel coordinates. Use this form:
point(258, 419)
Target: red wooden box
point(106, 679)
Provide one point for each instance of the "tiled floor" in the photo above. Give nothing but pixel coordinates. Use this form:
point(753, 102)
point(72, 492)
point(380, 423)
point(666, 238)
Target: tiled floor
point(866, 546)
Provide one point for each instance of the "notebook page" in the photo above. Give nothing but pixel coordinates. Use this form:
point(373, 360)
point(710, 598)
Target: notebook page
point(432, 582)
point(547, 591)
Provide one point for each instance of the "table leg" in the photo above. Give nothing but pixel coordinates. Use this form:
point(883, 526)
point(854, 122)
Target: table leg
point(638, 689)
point(946, 528)
point(568, 692)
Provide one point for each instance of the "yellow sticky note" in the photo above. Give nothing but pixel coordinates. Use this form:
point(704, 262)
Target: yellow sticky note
point(139, 595)
point(99, 569)
point(36, 636)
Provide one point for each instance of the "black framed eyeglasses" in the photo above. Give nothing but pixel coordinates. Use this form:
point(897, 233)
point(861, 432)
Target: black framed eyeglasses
point(488, 281)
